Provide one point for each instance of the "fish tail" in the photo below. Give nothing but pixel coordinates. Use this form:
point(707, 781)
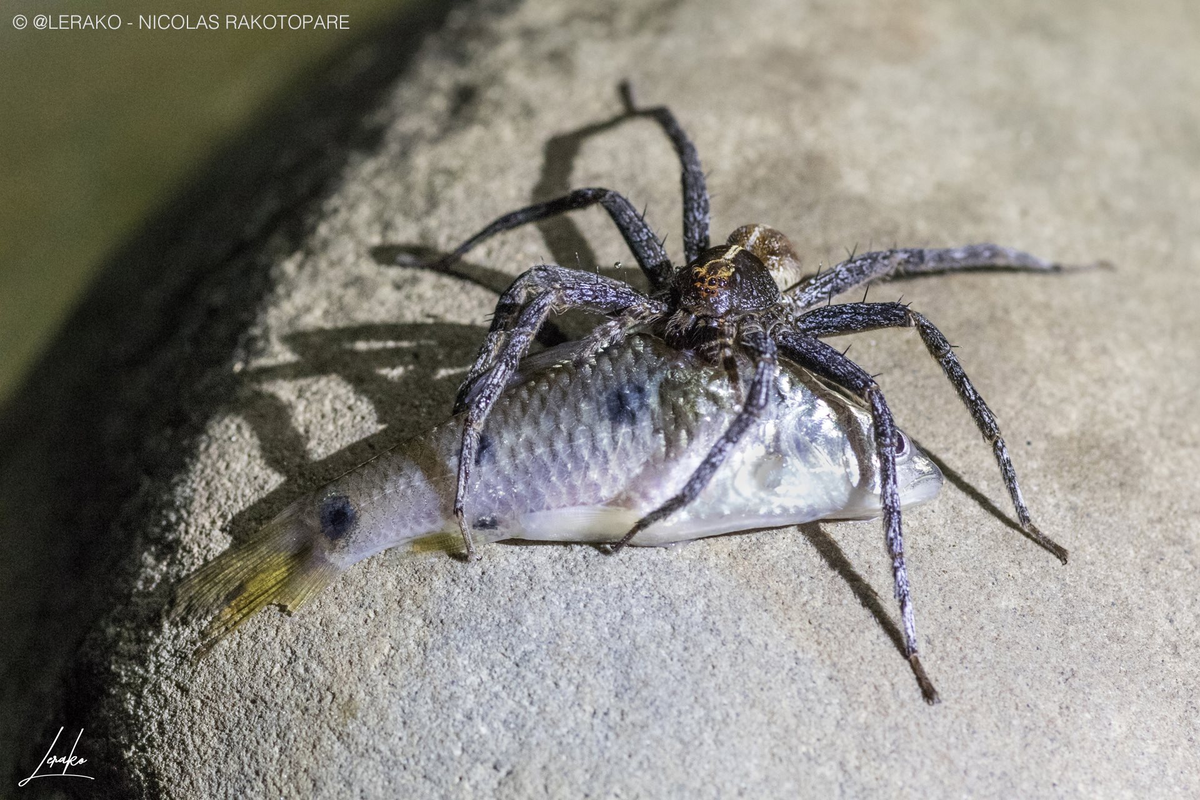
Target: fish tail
point(278, 565)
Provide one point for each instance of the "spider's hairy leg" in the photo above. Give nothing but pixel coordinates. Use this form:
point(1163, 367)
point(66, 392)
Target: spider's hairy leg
point(827, 362)
point(646, 247)
point(615, 330)
point(855, 317)
point(907, 262)
point(601, 338)
point(695, 191)
point(762, 348)
point(544, 278)
point(558, 290)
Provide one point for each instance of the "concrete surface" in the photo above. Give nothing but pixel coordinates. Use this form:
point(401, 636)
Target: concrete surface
point(763, 664)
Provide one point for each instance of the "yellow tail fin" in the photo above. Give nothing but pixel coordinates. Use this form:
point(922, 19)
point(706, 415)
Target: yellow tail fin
point(277, 565)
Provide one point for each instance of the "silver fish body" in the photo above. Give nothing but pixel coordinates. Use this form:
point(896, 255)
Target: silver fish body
point(577, 449)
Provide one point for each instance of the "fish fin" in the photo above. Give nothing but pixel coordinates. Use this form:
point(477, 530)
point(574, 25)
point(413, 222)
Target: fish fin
point(578, 524)
point(277, 565)
point(450, 541)
point(447, 541)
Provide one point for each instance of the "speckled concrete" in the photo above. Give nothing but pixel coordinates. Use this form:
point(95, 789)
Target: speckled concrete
point(763, 664)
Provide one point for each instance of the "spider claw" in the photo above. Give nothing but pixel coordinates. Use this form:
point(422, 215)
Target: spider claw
point(469, 554)
point(468, 557)
point(1053, 547)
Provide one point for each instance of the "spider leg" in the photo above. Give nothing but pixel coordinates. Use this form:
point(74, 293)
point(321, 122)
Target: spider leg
point(646, 247)
point(762, 347)
point(827, 362)
point(547, 277)
point(569, 289)
point(855, 317)
point(601, 338)
point(615, 330)
point(695, 191)
point(883, 264)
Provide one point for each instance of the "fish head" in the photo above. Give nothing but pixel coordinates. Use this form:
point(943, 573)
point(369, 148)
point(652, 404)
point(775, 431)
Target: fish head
point(918, 479)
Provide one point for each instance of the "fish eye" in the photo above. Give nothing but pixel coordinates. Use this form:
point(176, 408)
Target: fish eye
point(902, 445)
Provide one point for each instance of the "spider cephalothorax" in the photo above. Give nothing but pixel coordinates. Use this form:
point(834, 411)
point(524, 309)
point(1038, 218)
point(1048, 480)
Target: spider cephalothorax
point(745, 297)
point(719, 288)
point(723, 280)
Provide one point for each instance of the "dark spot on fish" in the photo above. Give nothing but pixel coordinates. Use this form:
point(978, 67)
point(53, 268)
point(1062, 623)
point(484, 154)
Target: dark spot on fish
point(624, 403)
point(337, 516)
point(486, 450)
point(486, 524)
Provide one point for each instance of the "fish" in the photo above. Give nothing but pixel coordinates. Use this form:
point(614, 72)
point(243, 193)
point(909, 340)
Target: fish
point(579, 446)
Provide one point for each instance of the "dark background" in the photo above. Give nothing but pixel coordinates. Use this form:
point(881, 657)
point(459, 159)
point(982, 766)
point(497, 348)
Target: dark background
point(99, 128)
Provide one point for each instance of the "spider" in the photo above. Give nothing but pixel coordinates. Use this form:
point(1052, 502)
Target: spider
point(743, 296)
